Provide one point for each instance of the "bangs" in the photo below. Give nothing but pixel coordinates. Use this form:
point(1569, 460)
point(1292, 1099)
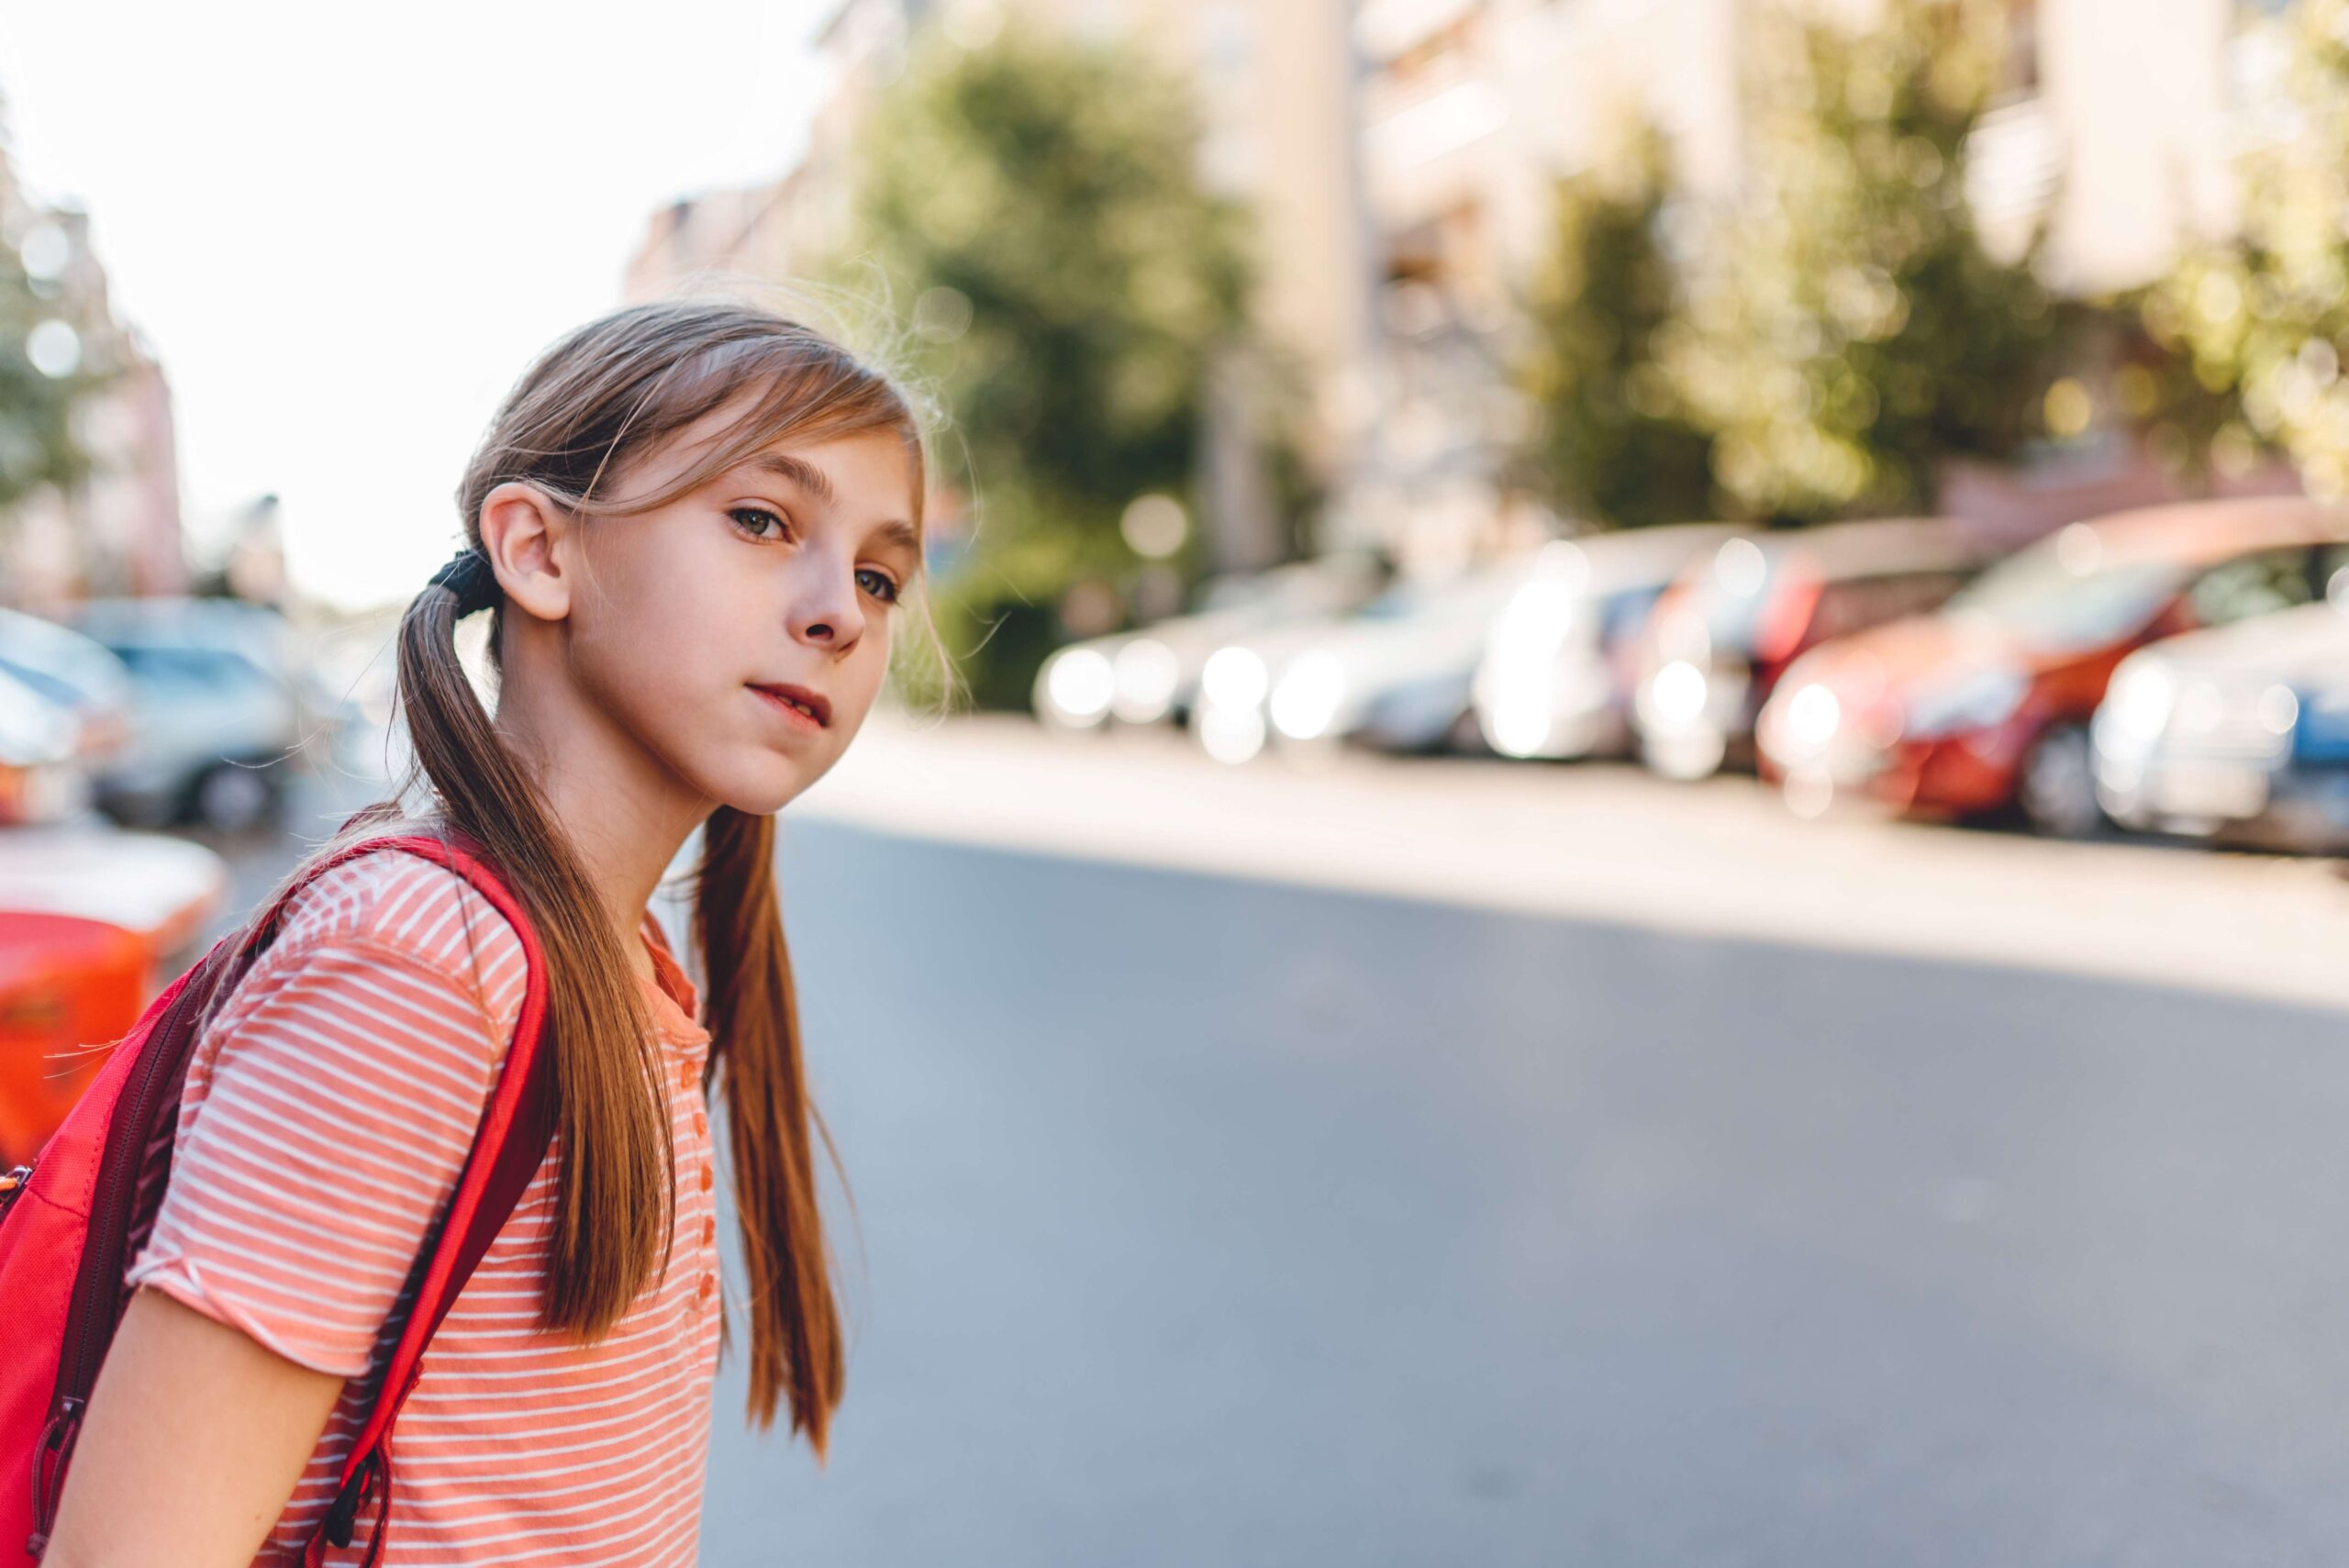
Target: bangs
point(793, 389)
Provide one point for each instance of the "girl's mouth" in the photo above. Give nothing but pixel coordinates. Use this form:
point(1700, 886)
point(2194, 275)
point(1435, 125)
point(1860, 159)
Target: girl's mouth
point(792, 708)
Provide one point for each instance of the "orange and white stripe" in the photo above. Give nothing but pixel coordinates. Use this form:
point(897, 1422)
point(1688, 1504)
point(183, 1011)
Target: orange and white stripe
point(328, 1109)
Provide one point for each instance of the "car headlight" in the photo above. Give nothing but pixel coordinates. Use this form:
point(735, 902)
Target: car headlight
point(1078, 683)
point(1147, 671)
point(1539, 618)
point(1307, 696)
point(1676, 695)
point(1234, 678)
point(2280, 710)
point(1813, 714)
point(2138, 704)
point(1980, 699)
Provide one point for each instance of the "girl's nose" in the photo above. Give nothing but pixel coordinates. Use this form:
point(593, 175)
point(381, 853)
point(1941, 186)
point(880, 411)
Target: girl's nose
point(828, 613)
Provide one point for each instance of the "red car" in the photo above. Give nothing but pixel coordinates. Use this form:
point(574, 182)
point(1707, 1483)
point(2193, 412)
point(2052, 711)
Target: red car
point(1986, 704)
point(1722, 634)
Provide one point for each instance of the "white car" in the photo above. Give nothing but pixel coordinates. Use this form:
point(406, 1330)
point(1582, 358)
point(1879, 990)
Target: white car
point(1151, 674)
point(1551, 682)
point(1415, 631)
point(77, 676)
point(2241, 732)
point(1397, 676)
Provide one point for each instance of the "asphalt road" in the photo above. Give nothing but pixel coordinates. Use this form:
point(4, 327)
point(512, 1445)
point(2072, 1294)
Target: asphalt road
point(1204, 1222)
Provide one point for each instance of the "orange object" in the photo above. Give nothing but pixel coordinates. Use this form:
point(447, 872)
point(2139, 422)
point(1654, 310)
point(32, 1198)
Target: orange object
point(91, 923)
point(69, 988)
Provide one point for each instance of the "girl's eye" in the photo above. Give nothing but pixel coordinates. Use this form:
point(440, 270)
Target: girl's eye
point(882, 585)
point(738, 513)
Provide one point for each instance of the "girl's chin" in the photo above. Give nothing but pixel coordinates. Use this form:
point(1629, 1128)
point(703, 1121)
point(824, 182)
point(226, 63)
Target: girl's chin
point(764, 791)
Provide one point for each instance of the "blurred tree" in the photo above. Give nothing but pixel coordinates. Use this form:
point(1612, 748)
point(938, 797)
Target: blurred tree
point(1846, 327)
point(1071, 283)
point(2263, 316)
point(1612, 439)
point(44, 371)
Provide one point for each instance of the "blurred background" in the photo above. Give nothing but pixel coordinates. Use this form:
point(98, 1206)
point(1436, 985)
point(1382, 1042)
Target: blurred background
point(1635, 853)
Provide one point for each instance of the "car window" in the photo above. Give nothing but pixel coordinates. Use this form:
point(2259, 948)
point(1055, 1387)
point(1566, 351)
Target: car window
point(1860, 602)
point(1624, 612)
point(209, 669)
point(2250, 585)
point(46, 682)
point(2060, 605)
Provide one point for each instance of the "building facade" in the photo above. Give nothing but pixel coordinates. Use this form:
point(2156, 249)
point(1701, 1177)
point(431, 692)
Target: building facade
point(117, 530)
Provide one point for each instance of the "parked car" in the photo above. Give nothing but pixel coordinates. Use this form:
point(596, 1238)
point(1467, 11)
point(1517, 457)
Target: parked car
point(42, 777)
point(2238, 733)
point(93, 921)
point(218, 720)
point(1987, 706)
point(1231, 719)
point(1553, 678)
point(1151, 674)
point(1398, 675)
point(75, 675)
point(1734, 621)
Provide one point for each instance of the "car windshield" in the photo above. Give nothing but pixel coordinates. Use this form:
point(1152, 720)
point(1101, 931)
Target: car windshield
point(54, 687)
point(209, 668)
point(1736, 590)
point(2040, 600)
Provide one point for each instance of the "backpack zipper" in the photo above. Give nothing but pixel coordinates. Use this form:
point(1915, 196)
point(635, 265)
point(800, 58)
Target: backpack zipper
point(12, 1187)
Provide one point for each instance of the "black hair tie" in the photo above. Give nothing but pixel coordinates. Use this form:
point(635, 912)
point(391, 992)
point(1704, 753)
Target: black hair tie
point(470, 578)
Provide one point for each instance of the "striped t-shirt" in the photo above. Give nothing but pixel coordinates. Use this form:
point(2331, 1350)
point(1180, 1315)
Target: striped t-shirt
point(329, 1108)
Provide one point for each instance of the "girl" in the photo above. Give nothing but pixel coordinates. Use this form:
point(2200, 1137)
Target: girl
point(695, 526)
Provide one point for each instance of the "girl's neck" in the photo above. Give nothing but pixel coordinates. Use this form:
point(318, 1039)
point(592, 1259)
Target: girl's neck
point(627, 813)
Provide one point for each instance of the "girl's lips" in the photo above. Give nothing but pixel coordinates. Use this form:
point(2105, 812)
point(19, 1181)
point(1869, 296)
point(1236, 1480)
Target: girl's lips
point(799, 719)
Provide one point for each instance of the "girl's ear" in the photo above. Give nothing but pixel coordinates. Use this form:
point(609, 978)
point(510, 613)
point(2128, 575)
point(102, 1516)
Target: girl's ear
point(527, 540)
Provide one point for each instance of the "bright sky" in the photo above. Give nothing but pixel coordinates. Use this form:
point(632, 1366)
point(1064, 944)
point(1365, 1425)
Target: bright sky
point(347, 231)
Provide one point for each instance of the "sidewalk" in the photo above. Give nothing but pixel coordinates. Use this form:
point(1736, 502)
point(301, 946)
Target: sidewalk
point(1608, 843)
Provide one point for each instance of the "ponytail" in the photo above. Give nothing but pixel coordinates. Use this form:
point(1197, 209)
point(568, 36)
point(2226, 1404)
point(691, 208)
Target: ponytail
point(610, 1109)
point(755, 1025)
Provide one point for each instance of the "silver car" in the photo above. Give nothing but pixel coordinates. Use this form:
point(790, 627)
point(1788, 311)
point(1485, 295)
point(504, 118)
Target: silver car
point(2238, 733)
point(1151, 674)
point(216, 720)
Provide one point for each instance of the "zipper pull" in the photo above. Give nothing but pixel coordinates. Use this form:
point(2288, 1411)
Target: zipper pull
point(12, 1186)
point(48, 1480)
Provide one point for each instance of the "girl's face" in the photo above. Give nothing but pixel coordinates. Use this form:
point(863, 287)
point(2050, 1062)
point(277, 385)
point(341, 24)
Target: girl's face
point(691, 620)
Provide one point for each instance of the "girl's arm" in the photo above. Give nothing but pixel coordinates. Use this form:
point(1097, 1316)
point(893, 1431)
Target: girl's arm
point(195, 1439)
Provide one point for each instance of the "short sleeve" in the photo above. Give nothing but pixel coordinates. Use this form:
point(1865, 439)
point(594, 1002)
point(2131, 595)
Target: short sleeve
point(330, 1109)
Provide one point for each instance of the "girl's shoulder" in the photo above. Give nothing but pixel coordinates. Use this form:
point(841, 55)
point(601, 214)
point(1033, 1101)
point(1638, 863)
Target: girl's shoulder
point(395, 902)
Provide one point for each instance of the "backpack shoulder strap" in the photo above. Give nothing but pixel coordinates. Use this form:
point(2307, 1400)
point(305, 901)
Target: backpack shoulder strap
point(516, 1129)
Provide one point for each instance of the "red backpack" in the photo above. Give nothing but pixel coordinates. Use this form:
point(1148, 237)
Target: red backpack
point(72, 1221)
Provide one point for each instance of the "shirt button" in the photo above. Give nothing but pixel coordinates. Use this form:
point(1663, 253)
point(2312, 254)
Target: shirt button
point(706, 1284)
point(685, 1075)
point(701, 1122)
point(707, 1179)
point(708, 1229)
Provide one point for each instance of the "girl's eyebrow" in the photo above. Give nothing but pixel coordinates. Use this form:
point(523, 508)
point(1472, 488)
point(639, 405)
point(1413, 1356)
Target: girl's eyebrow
point(809, 477)
point(799, 471)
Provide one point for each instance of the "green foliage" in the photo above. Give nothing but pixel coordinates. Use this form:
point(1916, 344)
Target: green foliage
point(2263, 316)
point(1071, 280)
point(1846, 328)
point(1615, 442)
point(38, 447)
